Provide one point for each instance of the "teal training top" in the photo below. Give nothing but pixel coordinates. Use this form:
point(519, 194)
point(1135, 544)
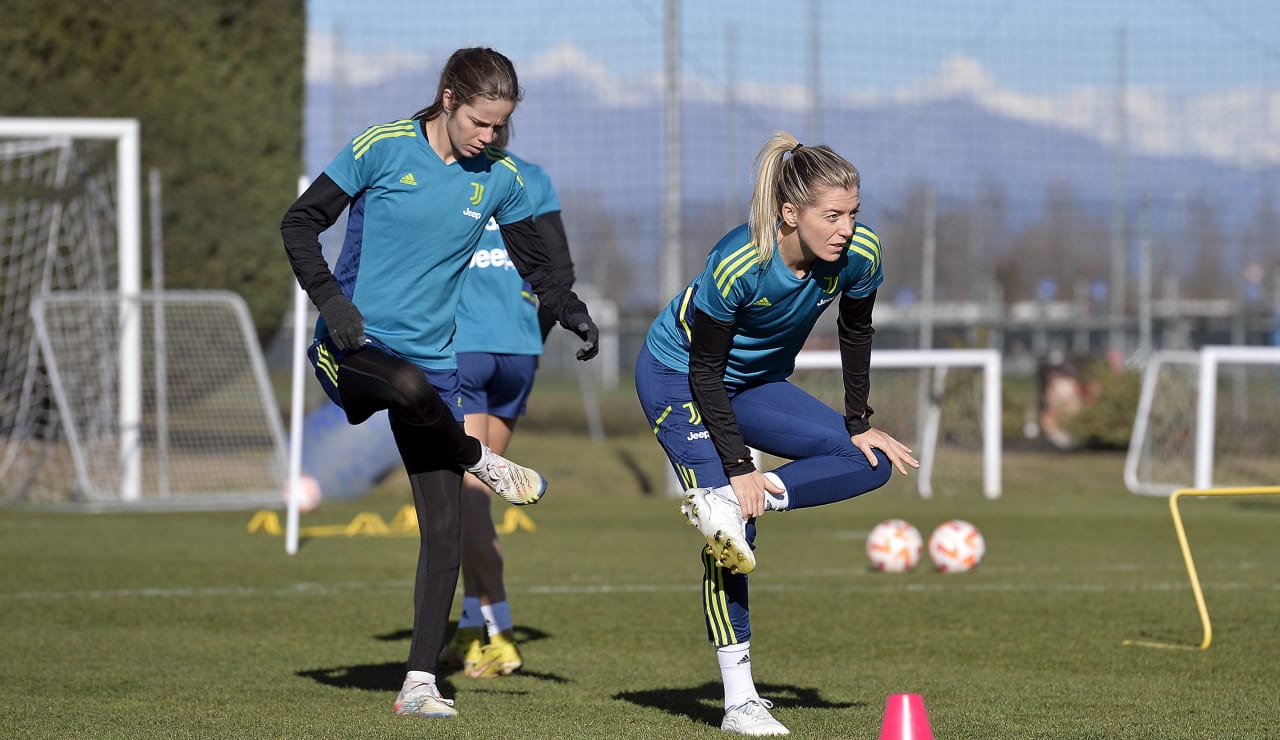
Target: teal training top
point(498, 312)
point(412, 228)
point(772, 310)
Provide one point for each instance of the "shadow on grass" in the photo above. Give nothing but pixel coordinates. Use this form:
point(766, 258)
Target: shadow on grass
point(522, 633)
point(705, 703)
point(629, 462)
point(368, 677)
point(1271, 505)
point(390, 676)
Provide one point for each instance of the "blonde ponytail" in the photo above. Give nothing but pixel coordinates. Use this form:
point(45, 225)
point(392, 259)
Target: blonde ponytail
point(790, 172)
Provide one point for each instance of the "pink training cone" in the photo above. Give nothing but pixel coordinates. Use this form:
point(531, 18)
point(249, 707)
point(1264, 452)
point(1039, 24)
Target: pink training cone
point(905, 719)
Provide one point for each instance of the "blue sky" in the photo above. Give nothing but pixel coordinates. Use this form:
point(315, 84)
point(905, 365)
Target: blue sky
point(1045, 46)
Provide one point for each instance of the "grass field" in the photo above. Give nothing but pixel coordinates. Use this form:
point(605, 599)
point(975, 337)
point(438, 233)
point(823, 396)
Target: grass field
point(185, 625)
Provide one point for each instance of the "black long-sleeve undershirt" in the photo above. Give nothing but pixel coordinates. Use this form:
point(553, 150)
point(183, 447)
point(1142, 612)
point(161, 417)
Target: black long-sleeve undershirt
point(528, 253)
point(318, 208)
point(556, 242)
point(709, 355)
point(855, 332)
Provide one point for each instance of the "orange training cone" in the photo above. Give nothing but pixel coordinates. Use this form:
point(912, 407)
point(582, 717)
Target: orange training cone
point(905, 719)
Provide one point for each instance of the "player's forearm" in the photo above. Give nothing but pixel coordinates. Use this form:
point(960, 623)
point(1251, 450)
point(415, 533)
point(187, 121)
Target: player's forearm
point(556, 245)
point(310, 215)
point(708, 356)
point(855, 332)
point(528, 254)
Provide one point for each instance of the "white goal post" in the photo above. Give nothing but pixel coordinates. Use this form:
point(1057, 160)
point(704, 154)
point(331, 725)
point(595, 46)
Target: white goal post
point(930, 407)
point(1176, 441)
point(111, 396)
point(210, 434)
point(46, 232)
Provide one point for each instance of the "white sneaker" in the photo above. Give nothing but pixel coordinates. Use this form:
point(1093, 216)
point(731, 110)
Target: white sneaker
point(720, 521)
point(515, 483)
point(752, 717)
point(423, 700)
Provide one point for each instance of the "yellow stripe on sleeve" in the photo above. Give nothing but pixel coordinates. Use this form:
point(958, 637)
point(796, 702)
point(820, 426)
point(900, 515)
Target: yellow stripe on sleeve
point(866, 243)
point(372, 131)
point(729, 273)
point(390, 131)
point(733, 257)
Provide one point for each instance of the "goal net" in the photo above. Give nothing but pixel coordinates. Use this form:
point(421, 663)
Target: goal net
point(944, 404)
point(109, 396)
point(60, 197)
point(209, 433)
point(1206, 419)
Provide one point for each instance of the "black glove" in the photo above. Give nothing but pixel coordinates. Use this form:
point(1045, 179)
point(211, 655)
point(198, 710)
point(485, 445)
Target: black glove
point(582, 325)
point(346, 325)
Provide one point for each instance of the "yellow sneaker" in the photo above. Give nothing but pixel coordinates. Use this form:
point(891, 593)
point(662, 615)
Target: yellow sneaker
point(500, 657)
point(463, 651)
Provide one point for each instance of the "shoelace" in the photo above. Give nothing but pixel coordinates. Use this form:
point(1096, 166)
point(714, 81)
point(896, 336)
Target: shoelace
point(433, 690)
point(495, 479)
point(753, 707)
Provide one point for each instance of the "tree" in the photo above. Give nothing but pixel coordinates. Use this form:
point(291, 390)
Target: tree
point(217, 87)
point(1068, 245)
point(1211, 268)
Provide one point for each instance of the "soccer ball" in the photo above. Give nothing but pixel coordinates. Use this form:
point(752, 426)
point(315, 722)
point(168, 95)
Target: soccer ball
point(894, 546)
point(308, 494)
point(956, 546)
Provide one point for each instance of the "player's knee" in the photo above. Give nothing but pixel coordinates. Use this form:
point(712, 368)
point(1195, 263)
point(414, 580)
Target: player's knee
point(879, 475)
point(419, 401)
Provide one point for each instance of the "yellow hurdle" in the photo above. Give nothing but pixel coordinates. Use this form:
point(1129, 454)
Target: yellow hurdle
point(1191, 565)
point(404, 524)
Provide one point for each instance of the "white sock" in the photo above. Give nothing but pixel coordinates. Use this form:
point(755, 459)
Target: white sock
point(735, 671)
point(772, 501)
point(725, 492)
point(776, 501)
point(471, 616)
point(420, 677)
point(497, 617)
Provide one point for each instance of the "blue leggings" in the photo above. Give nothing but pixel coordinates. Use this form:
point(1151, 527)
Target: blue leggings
point(777, 418)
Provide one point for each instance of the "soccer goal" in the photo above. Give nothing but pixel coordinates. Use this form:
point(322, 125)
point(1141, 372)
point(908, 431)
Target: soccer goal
point(97, 389)
point(943, 403)
point(1206, 419)
point(69, 220)
point(209, 434)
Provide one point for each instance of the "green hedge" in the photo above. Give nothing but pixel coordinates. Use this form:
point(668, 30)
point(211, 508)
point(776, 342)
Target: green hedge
point(218, 89)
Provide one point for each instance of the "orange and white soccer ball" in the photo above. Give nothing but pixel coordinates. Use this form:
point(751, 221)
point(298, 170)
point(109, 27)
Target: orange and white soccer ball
point(894, 546)
point(956, 546)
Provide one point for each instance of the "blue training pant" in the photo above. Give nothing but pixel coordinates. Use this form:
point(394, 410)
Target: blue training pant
point(777, 418)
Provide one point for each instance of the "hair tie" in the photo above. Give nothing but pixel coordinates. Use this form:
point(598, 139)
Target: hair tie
point(796, 148)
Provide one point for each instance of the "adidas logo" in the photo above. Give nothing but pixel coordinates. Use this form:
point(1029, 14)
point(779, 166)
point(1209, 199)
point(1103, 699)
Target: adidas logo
point(762, 302)
point(745, 659)
point(408, 180)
